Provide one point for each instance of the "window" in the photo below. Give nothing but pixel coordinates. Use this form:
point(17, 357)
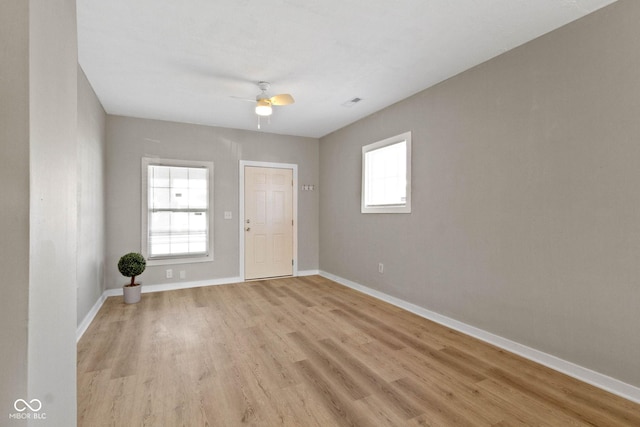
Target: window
point(176, 211)
point(386, 175)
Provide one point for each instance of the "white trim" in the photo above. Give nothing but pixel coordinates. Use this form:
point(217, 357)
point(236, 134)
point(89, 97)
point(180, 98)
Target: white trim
point(144, 243)
point(292, 166)
point(401, 208)
point(178, 285)
point(308, 273)
point(82, 327)
point(594, 378)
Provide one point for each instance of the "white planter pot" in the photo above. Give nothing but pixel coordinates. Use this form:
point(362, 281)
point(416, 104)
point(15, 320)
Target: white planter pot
point(132, 293)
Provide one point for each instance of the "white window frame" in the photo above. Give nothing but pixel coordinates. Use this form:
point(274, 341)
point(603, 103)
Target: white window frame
point(396, 208)
point(175, 259)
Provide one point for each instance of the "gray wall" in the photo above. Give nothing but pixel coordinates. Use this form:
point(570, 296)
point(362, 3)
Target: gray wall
point(129, 139)
point(14, 209)
point(53, 109)
point(38, 107)
point(526, 209)
point(91, 191)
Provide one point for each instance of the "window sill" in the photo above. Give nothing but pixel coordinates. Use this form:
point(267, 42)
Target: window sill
point(386, 209)
point(169, 261)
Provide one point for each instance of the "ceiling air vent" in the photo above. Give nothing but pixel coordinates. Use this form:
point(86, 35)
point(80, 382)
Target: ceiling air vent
point(350, 103)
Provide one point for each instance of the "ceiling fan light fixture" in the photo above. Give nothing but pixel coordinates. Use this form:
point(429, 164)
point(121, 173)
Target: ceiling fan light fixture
point(263, 107)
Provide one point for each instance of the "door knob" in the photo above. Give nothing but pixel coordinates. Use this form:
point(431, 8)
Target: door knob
point(247, 229)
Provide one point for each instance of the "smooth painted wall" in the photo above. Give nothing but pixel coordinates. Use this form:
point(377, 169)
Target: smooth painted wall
point(526, 209)
point(91, 194)
point(38, 107)
point(53, 109)
point(130, 139)
point(14, 209)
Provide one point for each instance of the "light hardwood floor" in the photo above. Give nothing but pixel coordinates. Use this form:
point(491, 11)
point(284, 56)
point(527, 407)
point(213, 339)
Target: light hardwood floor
point(310, 352)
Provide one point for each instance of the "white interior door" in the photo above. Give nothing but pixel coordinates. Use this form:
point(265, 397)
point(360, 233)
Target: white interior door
point(268, 222)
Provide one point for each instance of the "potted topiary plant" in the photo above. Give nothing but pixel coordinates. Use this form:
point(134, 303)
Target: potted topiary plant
point(132, 265)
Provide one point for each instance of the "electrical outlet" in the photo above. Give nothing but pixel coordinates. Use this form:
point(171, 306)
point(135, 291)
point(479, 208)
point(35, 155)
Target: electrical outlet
point(183, 274)
point(380, 268)
point(169, 273)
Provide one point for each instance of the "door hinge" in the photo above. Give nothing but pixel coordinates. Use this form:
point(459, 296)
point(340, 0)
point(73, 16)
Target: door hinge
point(291, 222)
point(291, 262)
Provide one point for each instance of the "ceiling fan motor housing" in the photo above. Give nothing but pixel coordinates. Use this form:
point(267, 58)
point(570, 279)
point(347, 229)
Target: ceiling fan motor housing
point(264, 87)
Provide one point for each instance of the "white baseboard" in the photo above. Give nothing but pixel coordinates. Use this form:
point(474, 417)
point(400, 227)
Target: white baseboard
point(82, 327)
point(177, 285)
point(596, 379)
point(308, 272)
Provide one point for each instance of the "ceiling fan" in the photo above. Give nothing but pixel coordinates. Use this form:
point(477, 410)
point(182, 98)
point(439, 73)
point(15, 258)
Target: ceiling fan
point(264, 102)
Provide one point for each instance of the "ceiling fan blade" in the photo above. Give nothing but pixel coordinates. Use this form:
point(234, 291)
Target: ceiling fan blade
point(282, 99)
point(240, 98)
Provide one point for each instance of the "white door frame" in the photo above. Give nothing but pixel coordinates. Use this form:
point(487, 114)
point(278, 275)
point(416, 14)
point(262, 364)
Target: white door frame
point(291, 166)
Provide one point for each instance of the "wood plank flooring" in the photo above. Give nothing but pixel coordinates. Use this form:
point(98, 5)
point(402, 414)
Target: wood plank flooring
point(310, 352)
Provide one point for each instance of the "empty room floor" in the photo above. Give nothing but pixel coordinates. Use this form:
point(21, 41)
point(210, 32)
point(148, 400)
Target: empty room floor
point(310, 352)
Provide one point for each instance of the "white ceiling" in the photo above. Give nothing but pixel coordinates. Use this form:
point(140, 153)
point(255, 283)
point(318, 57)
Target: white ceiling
point(185, 60)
